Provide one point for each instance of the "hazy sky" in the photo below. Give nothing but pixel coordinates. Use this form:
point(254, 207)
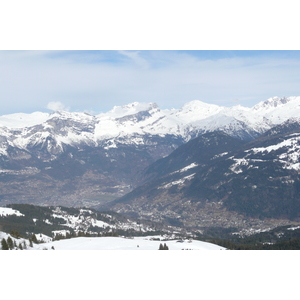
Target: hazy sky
point(95, 81)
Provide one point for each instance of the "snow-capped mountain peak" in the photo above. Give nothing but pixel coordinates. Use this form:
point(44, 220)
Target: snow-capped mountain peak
point(273, 103)
point(129, 124)
point(197, 110)
point(129, 109)
point(276, 110)
point(19, 120)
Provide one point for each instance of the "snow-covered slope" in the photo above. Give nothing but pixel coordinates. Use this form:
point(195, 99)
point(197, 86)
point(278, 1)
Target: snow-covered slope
point(19, 120)
point(112, 243)
point(7, 211)
point(288, 157)
point(119, 243)
point(62, 220)
point(138, 119)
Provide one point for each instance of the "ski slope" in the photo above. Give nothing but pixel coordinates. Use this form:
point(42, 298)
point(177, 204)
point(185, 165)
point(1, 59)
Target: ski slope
point(120, 243)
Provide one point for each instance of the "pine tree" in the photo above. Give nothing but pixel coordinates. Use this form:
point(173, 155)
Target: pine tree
point(166, 247)
point(4, 244)
point(30, 243)
point(34, 239)
point(15, 234)
point(10, 243)
point(161, 247)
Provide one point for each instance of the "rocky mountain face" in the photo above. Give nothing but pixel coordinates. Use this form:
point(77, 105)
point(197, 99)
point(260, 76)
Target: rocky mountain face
point(77, 176)
point(77, 159)
point(218, 180)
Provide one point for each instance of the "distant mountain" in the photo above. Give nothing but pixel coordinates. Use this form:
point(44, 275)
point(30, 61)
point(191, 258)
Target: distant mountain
point(77, 159)
point(217, 180)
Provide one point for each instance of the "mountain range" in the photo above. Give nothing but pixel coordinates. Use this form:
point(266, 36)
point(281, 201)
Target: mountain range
point(79, 159)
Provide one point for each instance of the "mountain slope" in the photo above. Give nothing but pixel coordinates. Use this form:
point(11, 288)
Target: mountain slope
point(200, 150)
point(56, 221)
point(237, 186)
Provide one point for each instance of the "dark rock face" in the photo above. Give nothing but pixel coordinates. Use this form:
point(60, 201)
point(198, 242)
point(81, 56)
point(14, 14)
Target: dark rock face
point(51, 173)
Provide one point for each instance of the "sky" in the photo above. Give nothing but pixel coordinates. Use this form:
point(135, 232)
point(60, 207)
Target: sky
point(68, 56)
point(95, 81)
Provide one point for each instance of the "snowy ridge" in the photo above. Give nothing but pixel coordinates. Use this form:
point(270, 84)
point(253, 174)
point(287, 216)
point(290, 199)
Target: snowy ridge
point(20, 120)
point(129, 109)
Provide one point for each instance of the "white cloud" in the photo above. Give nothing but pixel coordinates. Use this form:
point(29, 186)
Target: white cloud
point(55, 106)
point(136, 58)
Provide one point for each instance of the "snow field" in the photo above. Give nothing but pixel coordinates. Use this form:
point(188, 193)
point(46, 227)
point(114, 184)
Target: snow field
point(6, 211)
point(120, 243)
point(112, 243)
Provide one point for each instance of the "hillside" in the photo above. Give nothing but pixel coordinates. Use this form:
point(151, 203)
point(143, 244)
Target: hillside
point(30, 227)
point(216, 180)
point(58, 222)
point(59, 228)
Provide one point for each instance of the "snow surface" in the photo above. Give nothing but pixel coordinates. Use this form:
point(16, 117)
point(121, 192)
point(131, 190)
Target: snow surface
point(19, 120)
point(293, 228)
point(192, 165)
point(178, 182)
point(236, 167)
point(120, 243)
point(112, 243)
point(129, 109)
point(6, 211)
point(43, 238)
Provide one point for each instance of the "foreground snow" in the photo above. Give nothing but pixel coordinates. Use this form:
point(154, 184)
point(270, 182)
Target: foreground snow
point(119, 243)
point(6, 211)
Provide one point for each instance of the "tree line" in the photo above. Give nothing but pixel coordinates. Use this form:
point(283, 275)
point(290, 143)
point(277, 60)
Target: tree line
point(12, 244)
